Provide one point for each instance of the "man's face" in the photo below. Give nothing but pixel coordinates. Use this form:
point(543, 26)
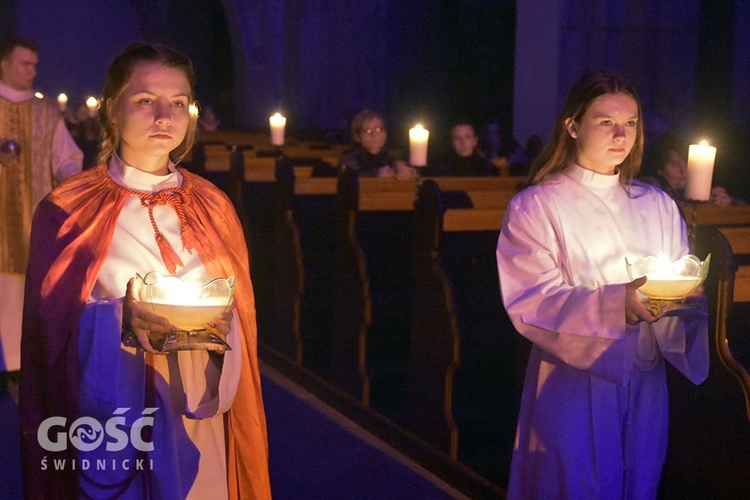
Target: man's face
point(19, 69)
point(464, 140)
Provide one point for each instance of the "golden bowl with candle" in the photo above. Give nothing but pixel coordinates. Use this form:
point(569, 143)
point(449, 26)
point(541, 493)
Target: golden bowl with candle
point(189, 304)
point(669, 280)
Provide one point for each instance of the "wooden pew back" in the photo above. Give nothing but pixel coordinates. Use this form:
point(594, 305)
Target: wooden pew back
point(734, 224)
point(463, 345)
point(725, 231)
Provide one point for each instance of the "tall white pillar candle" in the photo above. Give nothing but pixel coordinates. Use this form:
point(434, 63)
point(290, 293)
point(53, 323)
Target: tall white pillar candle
point(278, 123)
point(418, 137)
point(700, 170)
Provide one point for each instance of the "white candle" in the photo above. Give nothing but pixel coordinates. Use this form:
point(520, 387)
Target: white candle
point(278, 123)
point(92, 104)
point(62, 101)
point(418, 137)
point(700, 170)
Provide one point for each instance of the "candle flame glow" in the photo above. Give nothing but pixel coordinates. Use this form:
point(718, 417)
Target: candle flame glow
point(193, 110)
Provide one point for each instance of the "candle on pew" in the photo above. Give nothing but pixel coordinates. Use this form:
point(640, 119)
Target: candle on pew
point(418, 137)
point(62, 101)
point(700, 169)
point(278, 123)
point(92, 104)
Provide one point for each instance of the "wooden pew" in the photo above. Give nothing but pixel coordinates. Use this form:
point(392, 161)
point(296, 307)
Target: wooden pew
point(709, 432)
point(709, 435)
point(385, 206)
point(732, 243)
point(464, 364)
point(286, 274)
point(264, 208)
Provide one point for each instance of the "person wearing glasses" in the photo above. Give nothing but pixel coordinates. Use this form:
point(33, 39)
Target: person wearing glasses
point(370, 155)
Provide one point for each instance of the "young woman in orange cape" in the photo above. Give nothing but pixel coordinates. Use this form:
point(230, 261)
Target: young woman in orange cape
point(83, 392)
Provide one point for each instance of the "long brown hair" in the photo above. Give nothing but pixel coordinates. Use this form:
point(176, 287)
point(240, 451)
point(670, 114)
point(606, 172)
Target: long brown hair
point(119, 74)
point(560, 150)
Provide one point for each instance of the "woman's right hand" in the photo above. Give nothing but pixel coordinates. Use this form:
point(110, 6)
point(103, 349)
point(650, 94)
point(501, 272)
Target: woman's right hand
point(139, 320)
point(405, 172)
point(386, 171)
point(719, 196)
point(635, 311)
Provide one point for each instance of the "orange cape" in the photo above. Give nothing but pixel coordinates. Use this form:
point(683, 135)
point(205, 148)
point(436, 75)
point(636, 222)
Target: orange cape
point(71, 235)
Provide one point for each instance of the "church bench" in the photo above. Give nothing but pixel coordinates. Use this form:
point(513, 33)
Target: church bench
point(321, 271)
point(709, 424)
point(465, 365)
point(709, 428)
point(374, 263)
point(726, 231)
point(329, 289)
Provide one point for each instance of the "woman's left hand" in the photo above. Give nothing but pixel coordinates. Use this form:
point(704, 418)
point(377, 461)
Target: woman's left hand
point(222, 323)
point(139, 321)
point(635, 311)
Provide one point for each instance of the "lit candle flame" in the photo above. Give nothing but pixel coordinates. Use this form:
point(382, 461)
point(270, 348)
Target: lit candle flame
point(193, 110)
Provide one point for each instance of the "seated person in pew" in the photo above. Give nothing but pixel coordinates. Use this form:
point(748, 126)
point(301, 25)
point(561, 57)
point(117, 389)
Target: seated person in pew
point(370, 156)
point(521, 160)
point(665, 166)
point(208, 121)
point(464, 159)
point(593, 418)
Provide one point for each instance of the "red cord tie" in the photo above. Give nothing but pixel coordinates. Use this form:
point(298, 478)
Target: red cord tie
point(178, 199)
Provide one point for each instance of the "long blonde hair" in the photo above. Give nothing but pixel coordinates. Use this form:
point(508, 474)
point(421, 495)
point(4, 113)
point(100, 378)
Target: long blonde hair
point(119, 74)
point(560, 150)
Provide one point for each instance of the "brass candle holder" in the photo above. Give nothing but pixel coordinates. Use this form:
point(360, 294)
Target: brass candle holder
point(189, 304)
point(669, 284)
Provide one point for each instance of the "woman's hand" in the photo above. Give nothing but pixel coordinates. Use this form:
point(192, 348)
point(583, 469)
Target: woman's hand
point(386, 171)
point(635, 311)
point(405, 172)
point(719, 196)
point(139, 320)
point(222, 323)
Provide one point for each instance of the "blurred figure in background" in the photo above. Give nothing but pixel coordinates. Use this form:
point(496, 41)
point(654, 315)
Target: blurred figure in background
point(665, 167)
point(464, 159)
point(521, 161)
point(208, 121)
point(370, 156)
point(36, 153)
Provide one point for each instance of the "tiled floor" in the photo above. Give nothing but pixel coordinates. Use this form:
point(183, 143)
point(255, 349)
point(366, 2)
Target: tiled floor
point(314, 452)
